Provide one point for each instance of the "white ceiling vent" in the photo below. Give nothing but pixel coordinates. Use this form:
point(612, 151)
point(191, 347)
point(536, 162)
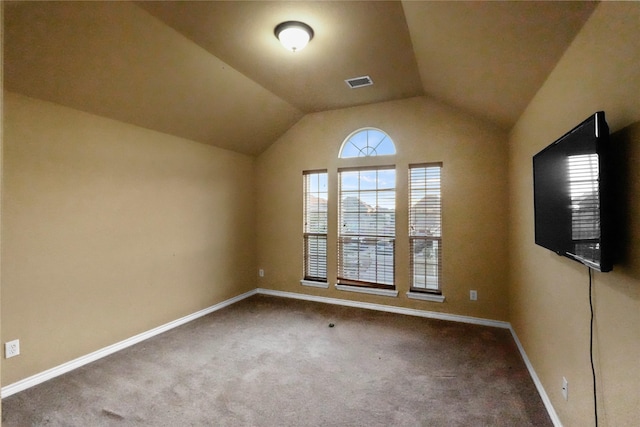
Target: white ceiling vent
point(357, 82)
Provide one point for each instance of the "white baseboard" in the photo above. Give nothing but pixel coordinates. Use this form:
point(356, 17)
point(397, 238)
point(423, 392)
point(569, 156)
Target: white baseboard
point(388, 308)
point(106, 351)
point(543, 394)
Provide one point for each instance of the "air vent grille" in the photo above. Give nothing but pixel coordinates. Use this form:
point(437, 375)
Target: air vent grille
point(357, 82)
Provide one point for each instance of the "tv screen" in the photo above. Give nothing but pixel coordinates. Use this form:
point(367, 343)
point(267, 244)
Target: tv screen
point(571, 198)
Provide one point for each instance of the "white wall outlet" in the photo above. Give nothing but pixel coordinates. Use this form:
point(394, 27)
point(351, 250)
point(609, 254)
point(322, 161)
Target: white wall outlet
point(261, 272)
point(565, 388)
point(473, 295)
point(11, 348)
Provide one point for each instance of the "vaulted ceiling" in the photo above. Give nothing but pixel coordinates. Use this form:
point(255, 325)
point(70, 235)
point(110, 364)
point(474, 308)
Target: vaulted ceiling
point(214, 72)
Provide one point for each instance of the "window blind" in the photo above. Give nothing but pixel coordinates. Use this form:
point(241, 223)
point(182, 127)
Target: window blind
point(315, 225)
point(366, 235)
point(425, 227)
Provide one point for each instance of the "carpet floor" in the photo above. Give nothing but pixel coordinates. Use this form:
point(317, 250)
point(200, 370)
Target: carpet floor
point(268, 361)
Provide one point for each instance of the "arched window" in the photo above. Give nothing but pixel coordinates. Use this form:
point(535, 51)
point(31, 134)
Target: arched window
point(367, 214)
point(367, 142)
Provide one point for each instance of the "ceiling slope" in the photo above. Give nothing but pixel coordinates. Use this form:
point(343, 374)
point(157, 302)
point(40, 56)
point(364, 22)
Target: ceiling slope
point(213, 71)
point(352, 39)
point(490, 58)
point(115, 60)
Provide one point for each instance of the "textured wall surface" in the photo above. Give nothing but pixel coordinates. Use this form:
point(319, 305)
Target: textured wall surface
point(549, 295)
point(111, 230)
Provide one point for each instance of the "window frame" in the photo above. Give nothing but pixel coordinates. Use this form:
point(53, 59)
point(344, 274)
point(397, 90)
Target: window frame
point(309, 234)
point(432, 214)
point(370, 244)
point(366, 150)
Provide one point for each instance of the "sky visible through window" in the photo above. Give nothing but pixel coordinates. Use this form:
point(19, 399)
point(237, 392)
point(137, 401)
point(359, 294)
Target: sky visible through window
point(377, 181)
point(318, 183)
point(366, 143)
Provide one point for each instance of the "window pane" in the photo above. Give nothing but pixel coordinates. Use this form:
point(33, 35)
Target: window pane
point(387, 179)
point(366, 261)
point(349, 181)
point(350, 150)
point(315, 257)
point(317, 183)
point(315, 225)
point(425, 264)
point(367, 227)
point(359, 139)
point(367, 142)
point(368, 180)
point(425, 227)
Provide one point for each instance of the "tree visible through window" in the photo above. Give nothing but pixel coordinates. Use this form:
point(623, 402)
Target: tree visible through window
point(315, 225)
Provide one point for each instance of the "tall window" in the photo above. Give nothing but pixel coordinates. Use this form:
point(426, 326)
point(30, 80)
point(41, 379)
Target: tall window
point(366, 232)
point(315, 225)
point(425, 227)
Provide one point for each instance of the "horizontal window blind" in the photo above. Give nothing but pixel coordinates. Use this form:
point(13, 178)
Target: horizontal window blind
point(366, 235)
point(585, 206)
point(425, 227)
point(315, 257)
point(315, 225)
point(583, 189)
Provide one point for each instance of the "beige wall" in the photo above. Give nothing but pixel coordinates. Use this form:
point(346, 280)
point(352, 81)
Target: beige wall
point(549, 301)
point(474, 200)
point(110, 230)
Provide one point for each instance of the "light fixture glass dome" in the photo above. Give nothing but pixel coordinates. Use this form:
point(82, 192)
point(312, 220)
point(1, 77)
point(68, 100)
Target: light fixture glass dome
point(294, 35)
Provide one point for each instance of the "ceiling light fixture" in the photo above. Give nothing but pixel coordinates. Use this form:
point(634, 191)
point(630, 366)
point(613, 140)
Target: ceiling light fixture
point(293, 35)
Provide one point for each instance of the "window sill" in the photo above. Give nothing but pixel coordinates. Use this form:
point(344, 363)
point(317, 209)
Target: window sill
point(371, 291)
point(314, 284)
point(425, 297)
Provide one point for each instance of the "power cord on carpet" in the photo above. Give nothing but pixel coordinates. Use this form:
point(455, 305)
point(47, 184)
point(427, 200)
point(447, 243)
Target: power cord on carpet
point(593, 369)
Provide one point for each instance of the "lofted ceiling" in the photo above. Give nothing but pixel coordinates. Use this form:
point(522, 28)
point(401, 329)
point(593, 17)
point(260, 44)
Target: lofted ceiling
point(213, 71)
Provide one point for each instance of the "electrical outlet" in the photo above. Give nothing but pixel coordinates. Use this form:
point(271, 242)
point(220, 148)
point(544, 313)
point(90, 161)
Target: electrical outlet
point(261, 272)
point(11, 348)
point(473, 295)
point(565, 388)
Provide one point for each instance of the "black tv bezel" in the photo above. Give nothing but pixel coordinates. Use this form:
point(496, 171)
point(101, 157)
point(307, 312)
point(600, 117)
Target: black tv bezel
point(604, 191)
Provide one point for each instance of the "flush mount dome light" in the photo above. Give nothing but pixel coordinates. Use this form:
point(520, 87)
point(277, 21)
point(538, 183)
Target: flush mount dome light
point(294, 35)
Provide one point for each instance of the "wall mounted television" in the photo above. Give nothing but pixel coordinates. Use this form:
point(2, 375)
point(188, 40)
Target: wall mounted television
point(572, 198)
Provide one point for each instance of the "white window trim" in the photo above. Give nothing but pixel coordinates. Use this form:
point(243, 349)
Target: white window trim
point(344, 281)
point(309, 281)
point(424, 167)
point(425, 296)
point(314, 284)
point(370, 291)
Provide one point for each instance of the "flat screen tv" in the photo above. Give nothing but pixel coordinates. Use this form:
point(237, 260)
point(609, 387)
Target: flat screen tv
point(571, 195)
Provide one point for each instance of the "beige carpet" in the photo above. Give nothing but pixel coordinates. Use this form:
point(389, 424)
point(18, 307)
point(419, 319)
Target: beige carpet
point(269, 361)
